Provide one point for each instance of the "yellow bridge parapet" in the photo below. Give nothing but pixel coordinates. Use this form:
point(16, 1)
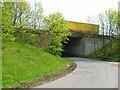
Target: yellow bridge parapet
point(83, 27)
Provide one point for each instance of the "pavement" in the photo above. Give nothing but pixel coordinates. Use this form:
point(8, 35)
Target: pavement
point(88, 74)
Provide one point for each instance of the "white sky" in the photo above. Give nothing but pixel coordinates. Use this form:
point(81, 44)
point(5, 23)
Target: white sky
point(77, 10)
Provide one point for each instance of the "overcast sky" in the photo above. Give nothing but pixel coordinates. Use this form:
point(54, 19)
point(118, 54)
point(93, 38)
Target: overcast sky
point(77, 10)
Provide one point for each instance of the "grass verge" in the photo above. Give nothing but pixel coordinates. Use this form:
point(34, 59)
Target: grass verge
point(25, 65)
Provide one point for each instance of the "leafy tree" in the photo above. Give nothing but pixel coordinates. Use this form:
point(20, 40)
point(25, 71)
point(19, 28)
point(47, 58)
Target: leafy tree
point(22, 9)
point(36, 16)
point(35, 24)
point(12, 13)
point(58, 30)
point(110, 21)
point(8, 28)
point(39, 15)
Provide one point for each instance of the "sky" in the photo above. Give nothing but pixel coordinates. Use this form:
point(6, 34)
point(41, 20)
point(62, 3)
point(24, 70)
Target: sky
point(77, 10)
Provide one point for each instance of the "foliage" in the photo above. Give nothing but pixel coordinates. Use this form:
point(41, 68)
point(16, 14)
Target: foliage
point(112, 19)
point(26, 62)
point(58, 30)
point(19, 21)
point(108, 22)
point(109, 25)
point(7, 21)
point(32, 33)
point(12, 18)
point(21, 14)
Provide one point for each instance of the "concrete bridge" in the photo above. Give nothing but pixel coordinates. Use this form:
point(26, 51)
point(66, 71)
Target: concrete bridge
point(85, 39)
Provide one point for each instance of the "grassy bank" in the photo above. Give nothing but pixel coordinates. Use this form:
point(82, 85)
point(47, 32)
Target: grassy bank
point(23, 64)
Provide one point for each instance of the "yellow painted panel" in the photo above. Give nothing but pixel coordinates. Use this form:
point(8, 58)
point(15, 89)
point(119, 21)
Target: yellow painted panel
point(83, 27)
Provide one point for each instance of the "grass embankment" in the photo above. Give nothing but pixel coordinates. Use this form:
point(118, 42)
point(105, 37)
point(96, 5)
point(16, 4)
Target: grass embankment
point(111, 52)
point(23, 65)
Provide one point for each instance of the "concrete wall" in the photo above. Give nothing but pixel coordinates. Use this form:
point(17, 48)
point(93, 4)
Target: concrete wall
point(92, 44)
point(78, 46)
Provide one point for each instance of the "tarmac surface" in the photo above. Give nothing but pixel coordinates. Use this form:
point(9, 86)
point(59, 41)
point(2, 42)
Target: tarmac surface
point(88, 74)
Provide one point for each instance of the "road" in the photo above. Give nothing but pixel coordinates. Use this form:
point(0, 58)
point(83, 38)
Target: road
point(88, 74)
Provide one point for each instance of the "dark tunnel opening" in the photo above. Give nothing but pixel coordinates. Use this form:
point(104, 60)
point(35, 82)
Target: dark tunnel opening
point(74, 47)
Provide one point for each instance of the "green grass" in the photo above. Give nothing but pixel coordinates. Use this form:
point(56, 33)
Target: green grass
point(24, 64)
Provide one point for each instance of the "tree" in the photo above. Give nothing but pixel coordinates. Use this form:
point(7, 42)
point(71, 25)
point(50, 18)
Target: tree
point(110, 21)
point(58, 30)
point(12, 18)
point(8, 28)
point(22, 9)
point(35, 24)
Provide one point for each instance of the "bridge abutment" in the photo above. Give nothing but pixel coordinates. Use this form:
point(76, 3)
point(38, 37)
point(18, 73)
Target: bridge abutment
point(80, 46)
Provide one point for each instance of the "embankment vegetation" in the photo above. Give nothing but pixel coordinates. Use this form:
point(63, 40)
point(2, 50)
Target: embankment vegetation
point(31, 44)
point(109, 24)
point(25, 65)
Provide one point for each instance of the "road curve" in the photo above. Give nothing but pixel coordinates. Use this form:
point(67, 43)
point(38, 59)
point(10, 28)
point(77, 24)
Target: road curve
point(88, 74)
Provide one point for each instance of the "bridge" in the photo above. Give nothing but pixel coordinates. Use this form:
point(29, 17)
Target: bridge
point(84, 40)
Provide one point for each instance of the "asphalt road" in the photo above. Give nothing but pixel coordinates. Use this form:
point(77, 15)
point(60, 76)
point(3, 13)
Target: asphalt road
point(88, 74)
